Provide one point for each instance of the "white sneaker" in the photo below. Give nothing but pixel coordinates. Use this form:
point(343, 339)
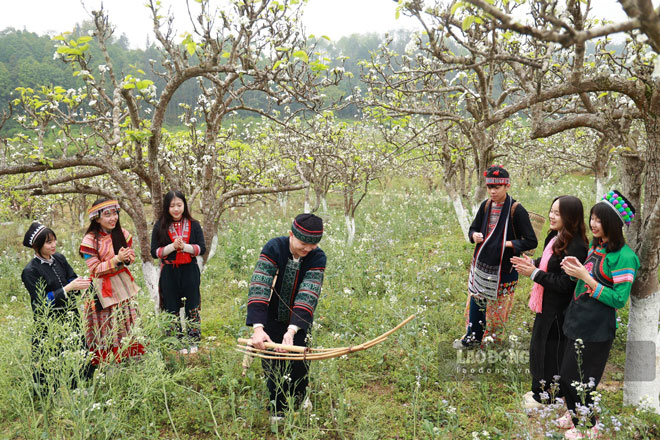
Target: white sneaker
point(458, 345)
point(565, 421)
point(529, 402)
point(183, 351)
point(193, 349)
point(574, 433)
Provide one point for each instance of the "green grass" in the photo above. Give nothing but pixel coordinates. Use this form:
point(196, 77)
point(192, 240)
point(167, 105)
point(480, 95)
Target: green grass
point(408, 257)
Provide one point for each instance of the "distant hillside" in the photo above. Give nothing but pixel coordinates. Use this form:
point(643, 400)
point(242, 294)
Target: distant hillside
point(28, 60)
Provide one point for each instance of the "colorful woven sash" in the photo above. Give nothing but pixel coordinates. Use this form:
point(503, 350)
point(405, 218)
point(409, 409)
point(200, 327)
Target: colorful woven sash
point(106, 286)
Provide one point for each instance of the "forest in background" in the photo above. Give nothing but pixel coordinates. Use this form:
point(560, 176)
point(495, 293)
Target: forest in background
point(27, 60)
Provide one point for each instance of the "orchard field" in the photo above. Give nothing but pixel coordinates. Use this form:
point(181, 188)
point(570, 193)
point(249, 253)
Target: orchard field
point(409, 257)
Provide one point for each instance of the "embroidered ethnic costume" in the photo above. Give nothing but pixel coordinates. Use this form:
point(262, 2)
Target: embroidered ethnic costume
point(284, 292)
point(591, 317)
point(492, 280)
point(615, 273)
point(496, 175)
point(179, 281)
point(484, 279)
point(296, 290)
point(591, 313)
point(32, 233)
point(45, 280)
point(96, 210)
point(111, 317)
point(617, 202)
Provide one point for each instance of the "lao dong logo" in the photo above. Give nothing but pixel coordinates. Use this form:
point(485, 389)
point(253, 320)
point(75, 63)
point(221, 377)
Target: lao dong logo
point(510, 356)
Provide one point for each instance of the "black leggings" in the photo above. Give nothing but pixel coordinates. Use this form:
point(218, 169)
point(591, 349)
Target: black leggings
point(546, 353)
point(286, 380)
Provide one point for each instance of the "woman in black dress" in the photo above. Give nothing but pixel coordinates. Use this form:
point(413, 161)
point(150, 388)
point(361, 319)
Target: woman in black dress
point(551, 295)
point(52, 284)
point(177, 239)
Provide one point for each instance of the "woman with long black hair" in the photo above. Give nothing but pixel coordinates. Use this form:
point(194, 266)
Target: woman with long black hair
point(111, 315)
point(177, 239)
point(551, 295)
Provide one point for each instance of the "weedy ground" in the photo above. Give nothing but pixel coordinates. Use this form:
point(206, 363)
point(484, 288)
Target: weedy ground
point(409, 257)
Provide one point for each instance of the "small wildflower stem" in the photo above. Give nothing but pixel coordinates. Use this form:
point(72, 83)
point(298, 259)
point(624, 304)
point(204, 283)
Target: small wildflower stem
point(208, 402)
point(169, 415)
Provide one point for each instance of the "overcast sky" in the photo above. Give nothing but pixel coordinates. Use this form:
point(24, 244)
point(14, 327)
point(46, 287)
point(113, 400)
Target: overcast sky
point(334, 18)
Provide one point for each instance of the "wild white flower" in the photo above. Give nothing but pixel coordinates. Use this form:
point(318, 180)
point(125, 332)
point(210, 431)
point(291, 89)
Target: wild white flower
point(645, 404)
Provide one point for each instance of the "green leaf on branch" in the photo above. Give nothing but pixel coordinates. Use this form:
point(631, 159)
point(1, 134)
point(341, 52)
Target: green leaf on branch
point(302, 55)
point(467, 22)
point(456, 6)
point(318, 66)
point(141, 85)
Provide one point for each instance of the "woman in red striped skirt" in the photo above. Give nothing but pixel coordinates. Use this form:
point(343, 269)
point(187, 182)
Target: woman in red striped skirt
point(112, 313)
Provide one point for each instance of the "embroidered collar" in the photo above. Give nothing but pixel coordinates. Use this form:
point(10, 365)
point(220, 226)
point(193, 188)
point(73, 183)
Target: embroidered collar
point(49, 262)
